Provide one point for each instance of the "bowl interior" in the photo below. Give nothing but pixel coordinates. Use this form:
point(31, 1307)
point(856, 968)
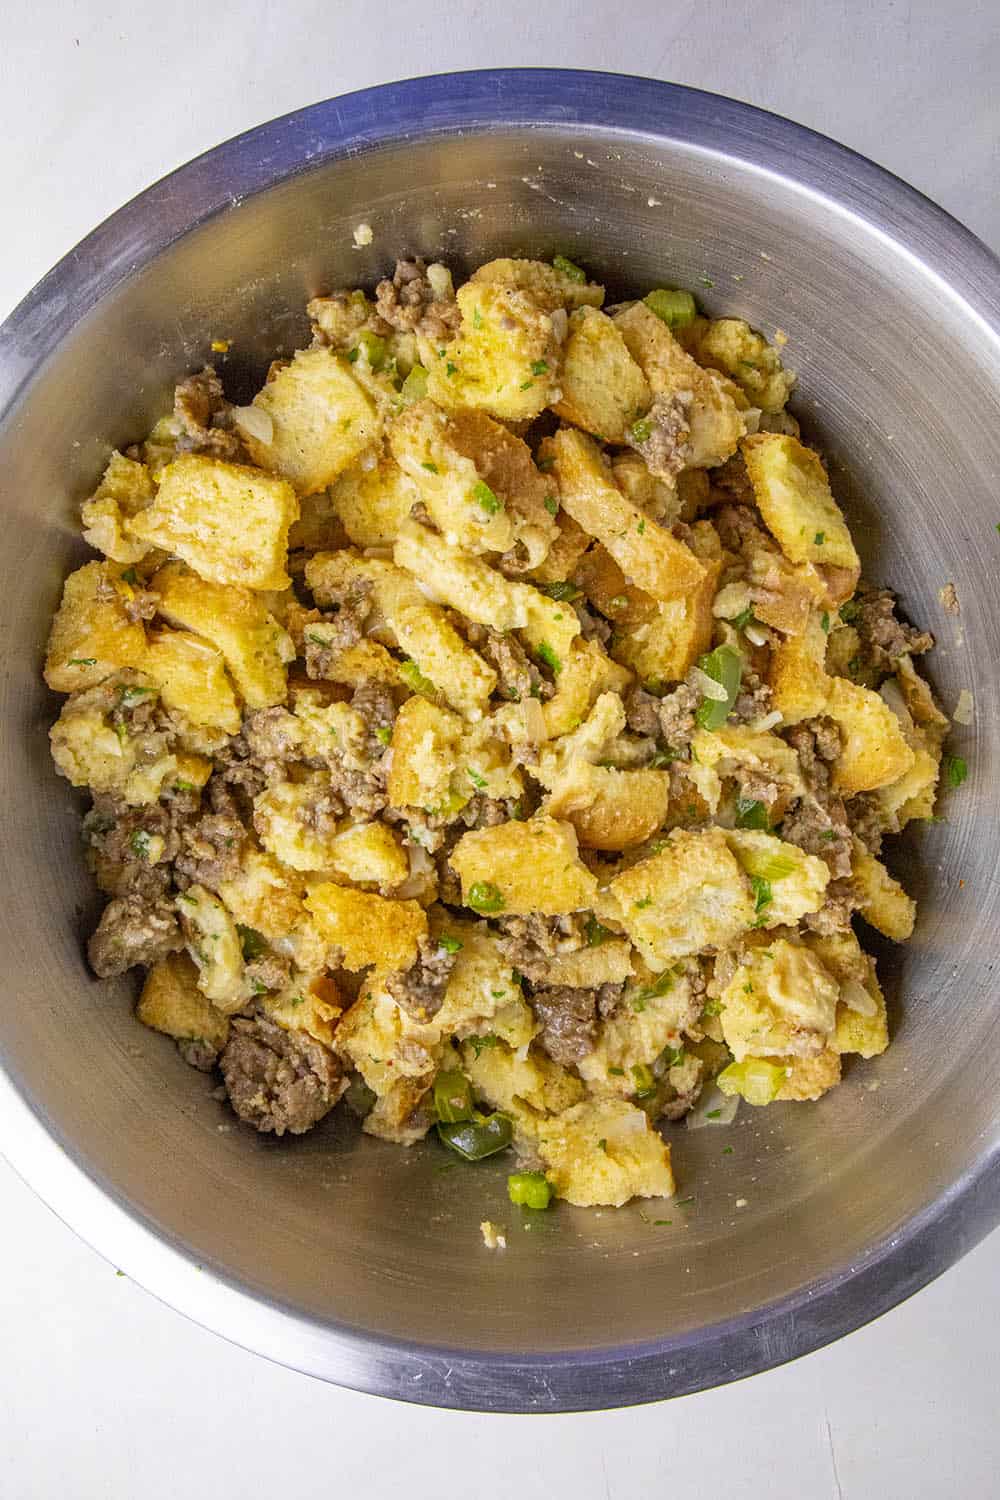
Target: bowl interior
point(898, 384)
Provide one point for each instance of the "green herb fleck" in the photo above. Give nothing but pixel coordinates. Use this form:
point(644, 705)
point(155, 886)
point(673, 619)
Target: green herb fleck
point(82, 661)
point(727, 1150)
point(641, 431)
point(602, 1144)
point(477, 318)
point(485, 897)
point(449, 944)
point(762, 896)
point(252, 942)
point(431, 468)
point(954, 769)
point(616, 1072)
point(568, 268)
point(383, 734)
point(477, 780)
point(415, 679)
point(139, 843)
point(819, 538)
point(824, 621)
point(478, 1043)
point(526, 385)
point(646, 901)
point(551, 504)
point(596, 933)
point(561, 590)
point(850, 611)
point(545, 653)
point(451, 369)
point(641, 527)
point(485, 498)
point(539, 367)
point(751, 814)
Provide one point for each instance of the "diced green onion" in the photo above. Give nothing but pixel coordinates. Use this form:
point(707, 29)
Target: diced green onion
point(485, 498)
point(383, 734)
point(479, 1043)
point(478, 1138)
point(661, 985)
point(539, 367)
point(545, 653)
point(751, 814)
point(452, 1097)
point(551, 505)
point(529, 1189)
point(129, 696)
point(596, 933)
point(252, 942)
point(725, 666)
point(645, 1083)
point(82, 661)
point(431, 468)
point(672, 1057)
point(954, 769)
point(754, 1079)
point(761, 894)
point(450, 944)
point(139, 843)
point(561, 590)
point(641, 431)
point(767, 866)
point(819, 538)
point(374, 348)
point(673, 307)
point(415, 679)
point(568, 268)
point(485, 897)
point(477, 780)
point(850, 611)
point(415, 385)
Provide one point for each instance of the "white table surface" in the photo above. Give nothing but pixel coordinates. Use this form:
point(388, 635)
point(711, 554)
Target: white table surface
point(107, 1393)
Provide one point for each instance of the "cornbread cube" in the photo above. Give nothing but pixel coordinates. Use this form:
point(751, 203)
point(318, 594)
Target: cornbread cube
point(228, 521)
point(647, 553)
point(604, 1151)
point(171, 1002)
point(793, 494)
point(465, 509)
point(587, 673)
point(781, 1000)
point(549, 287)
point(799, 683)
point(651, 1017)
point(369, 854)
point(310, 1004)
point(191, 676)
point(267, 896)
point(527, 1087)
point(505, 358)
point(321, 421)
point(692, 895)
point(368, 929)
point(524, 867)
point(280, 818)
point(809, 1078)
point(873, 750)
point(713, 423)
point(733, 347)
point(603, 389)
point(91, 635)
point(125, 490)
point(481, 986)
point(236, 621)
point(611, 962)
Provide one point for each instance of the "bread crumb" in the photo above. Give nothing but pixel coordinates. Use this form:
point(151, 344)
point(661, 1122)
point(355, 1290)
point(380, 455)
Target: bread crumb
point(741, 1203)
point(494, 1236)
point(780, 337)
point(949, 599)
point(363, 235)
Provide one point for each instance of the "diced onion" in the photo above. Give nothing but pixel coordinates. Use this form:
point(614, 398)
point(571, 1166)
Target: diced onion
point(440, 281)
point(363, 235)
point(761, 726)
point(751, 418)
point(425, 588)
point(368, 461)
point(856, 997)
point(713, 1102)
point(892, 697)
point(560, 324)
point(963, 708)
point(421, 869)
point(254, 421)
point(533, 719)
point(707, 686)
point(755, 635)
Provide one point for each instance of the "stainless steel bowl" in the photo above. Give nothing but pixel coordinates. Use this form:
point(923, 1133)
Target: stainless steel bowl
point(361, 1262)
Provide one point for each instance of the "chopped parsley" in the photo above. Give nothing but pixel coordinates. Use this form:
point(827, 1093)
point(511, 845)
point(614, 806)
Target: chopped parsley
point(129, 696)
point(526, 385)
point(824, 621)
point(762, 896)
point(431, 468)
point(383, 734)
point(449, 944)
point(641, 527)
point(641, 431)
point(252, 942)
point(850, 611)
point(602, 1144)
point(485, 498)
point(568, 268)
point(485, 897)
point(477, 780)
point(596, 933)
point(646, 901)
point(451, 369)
point(477, 318)
point(82, 661)
point(751, 814)
point(545, 653)
point(561, 590)
point(616, 1072)
point(954, 770)
point(539, 367)
point(478, 1043)
point(819, 538)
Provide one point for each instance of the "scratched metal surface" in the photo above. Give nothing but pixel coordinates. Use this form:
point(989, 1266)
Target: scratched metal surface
point(355, 1260)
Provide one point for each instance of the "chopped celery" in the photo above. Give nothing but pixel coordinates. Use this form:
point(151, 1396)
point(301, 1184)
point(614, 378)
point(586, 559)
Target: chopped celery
point(767, 866)
point(568, 268)
point(751, 814)
point(725, 666)
point(673, 307)
point(529, 1189)
point(415, 385)
point(754, 1079)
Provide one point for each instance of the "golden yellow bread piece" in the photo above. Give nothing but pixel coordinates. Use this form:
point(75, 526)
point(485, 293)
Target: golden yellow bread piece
point(604, 1151)
point(647, 553)
point(692, 895)
point(235, 620)
point(92, 635)
point(793, 495)
point(315, 421)
point(569, 545)
point(213, 942)
point(653, 1014)
point(587, 673)
point(368, 929)
point(307, 1003)
point(882, 900)
point(809, 1078)
point(125, 490)
point(609, 808)
point(426, 741)
point(505, 359)
point(873, 749)
point(781, 1000)
point(862, 1021)
point(191, 676)
point(517, 868)
point(731, 346)
point(710, 420)
point(548, 286)
point(267, 896)
point(527, 1086)
point(372, 503)
point(797, 675)
point(229, 522)
point(610, 962)
point(603, 389)
point(171, 1002)
point(795, 882)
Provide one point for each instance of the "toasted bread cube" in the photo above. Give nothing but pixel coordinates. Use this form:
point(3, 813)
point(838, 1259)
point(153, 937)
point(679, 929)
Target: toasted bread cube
point(125, 490)
point(88, 751)
point(321, 421)
point(396, 1115)
point(373, 503)
point(486, 596)
point(426, 741)
point(171, 1002)
point(368, 929)
point(505, 358)
point(375, 1037)
point(191, 676)
point(587, 673)
point(604, 1151)
point(867, 1035)
point(527, 1086)
point(610, 962)
point(713, 422)
point(781, 1000)
point(733, 347)
point(603, 389)
point(369, 854)
point(914, 793)
point(213, 942)
point(799, 683)
point(306, 1004)
point(658, 497)
point(690, 896)
point(809, 1078)
point(366, 661)
point(91, 635)
point(468, 512)
point(587, 743)
point(236, 621)
point(873, 751)
point(227, 521)
point(793, 495)
point(267, 896)
point(796, 882)
point(549, 287)
point(653, 559)
point(519, 868)
point(882, 900)
point(610, 809)
point(280, 816)
point(482, 992)
point(568, 546)
point(505, 463)
point(735, 747)
point(651, 1018)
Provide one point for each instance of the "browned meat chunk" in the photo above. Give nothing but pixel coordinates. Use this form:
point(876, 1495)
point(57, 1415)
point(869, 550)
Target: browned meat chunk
point(884, 639)
point(420, 989)
point(517, 675)
point(203, 414)
point(817, 743)
point(133, 931)
point(279, 1080)
point(531, 940)
point(213, 849)
point(272, 737)
point(376, 705)
point(269, 972)
point(642, 712)
point(865, 819)
point(121, 841)
point(753, 700)
point(407, 303)
point(336, 633)
point(677, 721)
point(569, 1019)
point(665, 447)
